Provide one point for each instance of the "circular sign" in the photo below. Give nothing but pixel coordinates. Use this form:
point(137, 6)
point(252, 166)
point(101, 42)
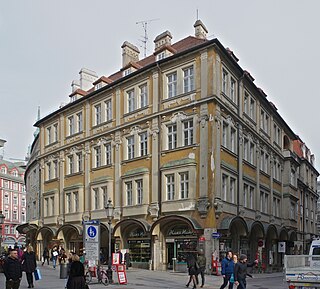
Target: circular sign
point(92, 231)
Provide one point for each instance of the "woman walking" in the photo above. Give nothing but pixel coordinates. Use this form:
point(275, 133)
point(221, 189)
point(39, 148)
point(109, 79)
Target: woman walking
point(29, 264)
point(192, 270)
point(76, 278)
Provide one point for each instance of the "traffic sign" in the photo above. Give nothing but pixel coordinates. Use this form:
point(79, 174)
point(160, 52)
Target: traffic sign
point(216, 235)
point(92, 240)
point(92, 231)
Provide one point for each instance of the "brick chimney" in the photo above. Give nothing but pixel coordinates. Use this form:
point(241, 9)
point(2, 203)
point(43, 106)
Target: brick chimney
point(164, 39)
point(200, 31)
point(130, 53)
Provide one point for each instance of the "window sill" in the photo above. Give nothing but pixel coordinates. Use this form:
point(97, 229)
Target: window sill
point(101, 167)
point(74, 174)
point(102, 124)
point(249, 164)
point(249, 118)
point(178, 96)
point(164, 152)
point(277, 181)
point(50, 144)
point(227, 97)
point(264, 174)
point(234, 154)
point(51, 180)
point(148, 156)
point(264, 133)
point(73, 135)
point(136, 110)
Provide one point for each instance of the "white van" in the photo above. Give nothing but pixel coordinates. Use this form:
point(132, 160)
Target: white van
point(315, 253)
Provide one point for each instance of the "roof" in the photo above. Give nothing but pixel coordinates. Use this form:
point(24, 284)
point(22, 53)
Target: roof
point(79, 91)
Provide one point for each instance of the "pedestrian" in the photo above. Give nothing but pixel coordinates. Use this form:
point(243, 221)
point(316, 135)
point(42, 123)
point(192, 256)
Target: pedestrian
point(201, 260)
point(54, 256)
point(235, 258)
point(192, 270)
point(76, 278)
point(45, 256)
point(127, 259)
point(12, 270)
point(29, 264)
point(227, 269)
point(240, 271)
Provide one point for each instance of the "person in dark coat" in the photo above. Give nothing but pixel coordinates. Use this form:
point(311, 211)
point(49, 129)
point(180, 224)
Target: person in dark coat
point(45, 256)
point(240, 271)
point(127, 259)
point(201, 260)
point(12, 270)
point(227, 269)
point(29, 264)
point(76, 278)
point(192, 270)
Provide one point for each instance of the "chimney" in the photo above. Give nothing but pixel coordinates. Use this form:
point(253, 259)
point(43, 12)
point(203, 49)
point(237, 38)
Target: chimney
point(75, 85)
point(200, 31)
point(164, 39)
point(130, 53)
point(87, 77)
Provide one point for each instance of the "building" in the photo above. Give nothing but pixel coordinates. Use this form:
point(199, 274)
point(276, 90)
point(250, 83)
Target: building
point(12, 202)
point(185, 145)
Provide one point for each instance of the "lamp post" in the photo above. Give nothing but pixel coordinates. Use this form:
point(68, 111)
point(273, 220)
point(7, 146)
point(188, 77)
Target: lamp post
point(109, 212)
point(2, 217)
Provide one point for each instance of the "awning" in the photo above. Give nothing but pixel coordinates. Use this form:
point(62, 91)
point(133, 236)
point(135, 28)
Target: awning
point(27, 227)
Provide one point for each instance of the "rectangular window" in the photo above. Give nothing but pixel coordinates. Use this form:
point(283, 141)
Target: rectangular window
point(143, 95)
point(130, 147)
point(97, 151)
point(172, 85)
point(46, 205)
point(188, 132)
point(172, 136)
point(108, 153)
point(224, 134)
point(224, 186)
point(68, 200)
point(233, 90)
point(71, 125)
point(55, 169)
point(233, 140)
point(184, 185)
point(170, 187)
point(188, 79)
point(224, 81)
point(131, 100)
point(49, 135)
point(251, 194)
point(108, 110)
point(143, 144)
point(49, 171)
point(79, 162)
point(246, 103)
point(264, 121)
point(129, 193)
point(55, 132)
point(105, 196)
point(13, 229)
point(23, 202)
point(80, 122)
point(98, 118)
point(95, 198)
point(15, 200)
point(15, 215)
point(6, 199)
point(232, 190)
point(76, 201)
point(245, 195)
point(252, 108)
point(23, 217)
point(264, 202)
point(71, 164)
point(7, 229)
point(6, 214)
point(139, 184)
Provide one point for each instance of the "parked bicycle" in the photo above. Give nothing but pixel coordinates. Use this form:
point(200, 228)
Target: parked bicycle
point(99, 273)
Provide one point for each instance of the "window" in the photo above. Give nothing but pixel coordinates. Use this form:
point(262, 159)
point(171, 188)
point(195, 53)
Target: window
point(7, 229)
point(224, 134)
point(233, 90)
point(229, 136)
point(131, 100)
point(71, 125)
point(49, 171)
point(71, 164)
point(188, 132)
point(143, 95)
point(107, 148)
point(249, 105)
point(98, 114)
point(172, 84)
point(139, 185)
point(104, 196)
point(3, 170)
point(224, 186)
point(276, 207)
point(129, 193)
point(233, 140)
point(276, 170)
point(97, 151)
point(23, 202)
point(23, 217)
point(248, 193)
point(79, 162)
point(292, 210)
point(6, 184)
point(14, 185)
point(130, 147)
point(108, 110)
point(264, 202)
point(46, 206)
point(49, 135)
point(13, 230)
point(172, 136)
point(143, 143)
point(55, 169)
point(184, 185)
point(15, 215)
point(6, 199)
point(232, 190)
point(68, 205)
point(161, 55)
point(15, 200)
point(55, 132)
point(188, 79)
point(6, 213)
point(293, 177)
point(264, 121)
point(264, 162)
point(76, 201)
point(80, 121)
point(224, 81)
point(277, 134)
point(248, 154)
point(170, 187)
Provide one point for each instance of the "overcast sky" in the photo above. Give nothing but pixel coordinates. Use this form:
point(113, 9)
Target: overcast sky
point(44, 44)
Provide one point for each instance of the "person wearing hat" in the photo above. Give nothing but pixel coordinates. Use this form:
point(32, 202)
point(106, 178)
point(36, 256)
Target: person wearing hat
point(227, 269)
point(240, 271)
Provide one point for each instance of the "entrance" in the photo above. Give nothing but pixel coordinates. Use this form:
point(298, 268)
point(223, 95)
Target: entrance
point(170, 255)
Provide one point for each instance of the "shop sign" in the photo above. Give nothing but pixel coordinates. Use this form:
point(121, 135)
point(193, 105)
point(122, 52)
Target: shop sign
point(180, 231)
point(138, 233)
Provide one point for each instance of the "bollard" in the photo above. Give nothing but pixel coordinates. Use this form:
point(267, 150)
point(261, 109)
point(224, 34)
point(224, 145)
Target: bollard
point(174, 262)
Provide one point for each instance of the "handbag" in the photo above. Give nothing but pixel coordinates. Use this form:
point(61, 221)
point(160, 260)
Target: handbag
point(37, 274)
point(231, 280)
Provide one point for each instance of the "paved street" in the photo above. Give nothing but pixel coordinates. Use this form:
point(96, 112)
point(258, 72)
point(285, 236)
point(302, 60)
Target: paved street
point(138, 278)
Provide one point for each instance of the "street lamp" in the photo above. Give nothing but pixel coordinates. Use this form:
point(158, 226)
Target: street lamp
point(2, 217)
point(109, 212)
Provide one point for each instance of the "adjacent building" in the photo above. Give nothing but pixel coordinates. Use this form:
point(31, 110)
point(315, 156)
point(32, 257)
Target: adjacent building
point(185, 145)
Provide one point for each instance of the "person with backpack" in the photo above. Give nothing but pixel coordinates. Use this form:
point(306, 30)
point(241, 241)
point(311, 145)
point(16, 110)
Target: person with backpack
point(227, 270)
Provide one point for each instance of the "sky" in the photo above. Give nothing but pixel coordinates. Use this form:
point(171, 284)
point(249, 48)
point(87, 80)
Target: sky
point(44, 44)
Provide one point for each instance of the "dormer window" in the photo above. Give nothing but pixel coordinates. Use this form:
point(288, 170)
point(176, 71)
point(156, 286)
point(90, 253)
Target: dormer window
point(161, 55)
point(98, 85)
point(127, 71)
point(3, 170)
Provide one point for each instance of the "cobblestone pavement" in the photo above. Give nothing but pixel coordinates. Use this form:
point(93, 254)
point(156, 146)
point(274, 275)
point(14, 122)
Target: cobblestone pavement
point(144, 279)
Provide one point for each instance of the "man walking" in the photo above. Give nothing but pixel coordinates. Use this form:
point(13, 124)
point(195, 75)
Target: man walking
point(201, 260)
point(240, 271)
point(227, 269)
point(12, 270)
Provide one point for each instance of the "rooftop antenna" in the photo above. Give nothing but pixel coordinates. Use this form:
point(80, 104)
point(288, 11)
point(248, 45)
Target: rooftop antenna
point(144, 40)
point(197, 14)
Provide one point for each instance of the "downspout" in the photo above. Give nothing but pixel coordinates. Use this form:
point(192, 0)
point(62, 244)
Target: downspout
point(159, 142)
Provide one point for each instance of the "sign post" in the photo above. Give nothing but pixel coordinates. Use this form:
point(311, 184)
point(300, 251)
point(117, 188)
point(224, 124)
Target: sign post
point(216, 235)
point(91, 241)
point(120, 268)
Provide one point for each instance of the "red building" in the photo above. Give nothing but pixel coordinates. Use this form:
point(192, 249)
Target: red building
point(12, 201)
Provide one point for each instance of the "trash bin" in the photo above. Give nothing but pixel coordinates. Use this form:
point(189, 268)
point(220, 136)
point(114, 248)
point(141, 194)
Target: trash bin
point(63, 271)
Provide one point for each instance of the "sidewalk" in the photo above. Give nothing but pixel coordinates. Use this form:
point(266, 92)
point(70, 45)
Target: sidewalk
point(144, 279)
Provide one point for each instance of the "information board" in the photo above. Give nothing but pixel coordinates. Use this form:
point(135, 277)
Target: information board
point(91, 240)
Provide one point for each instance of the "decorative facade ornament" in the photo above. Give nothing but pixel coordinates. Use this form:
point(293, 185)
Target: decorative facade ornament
point(258, 215)
point(203, 205)
point(60, 221)
point(117, 213)
point(153, 210)
point(218, 207)
point(86, 216)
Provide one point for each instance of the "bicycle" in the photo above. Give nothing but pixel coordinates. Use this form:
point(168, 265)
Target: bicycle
point(101, 276)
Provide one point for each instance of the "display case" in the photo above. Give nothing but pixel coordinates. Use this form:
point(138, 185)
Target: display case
point(140, 250)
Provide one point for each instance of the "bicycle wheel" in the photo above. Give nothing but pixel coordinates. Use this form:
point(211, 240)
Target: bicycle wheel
point(88, 277)
point(104, 278)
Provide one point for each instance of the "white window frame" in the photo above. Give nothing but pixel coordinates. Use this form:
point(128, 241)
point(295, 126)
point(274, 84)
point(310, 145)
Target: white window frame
point(170, 187)
point(143, 143)
point(172, 82)
point(172, 136)
point(129, 193)
point(188, 131)
point(139, 185)
point(130, 147)
point(98, 114)
point(188, 79)
point(184, 185)
point(143, 96)
point(131, 100)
